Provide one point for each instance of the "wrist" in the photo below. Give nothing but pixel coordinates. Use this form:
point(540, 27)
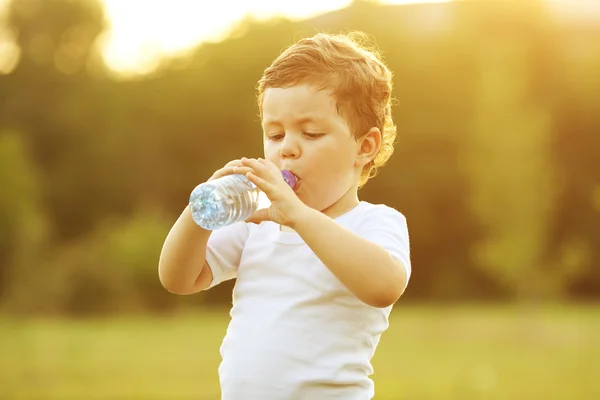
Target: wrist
point(303, 217)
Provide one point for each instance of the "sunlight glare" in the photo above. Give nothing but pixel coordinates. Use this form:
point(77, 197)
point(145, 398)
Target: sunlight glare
point(143, 31)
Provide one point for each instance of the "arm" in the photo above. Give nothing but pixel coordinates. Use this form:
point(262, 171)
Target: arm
point(368, 270)
point(182, 267)
point(187, 259)
point(374, 265)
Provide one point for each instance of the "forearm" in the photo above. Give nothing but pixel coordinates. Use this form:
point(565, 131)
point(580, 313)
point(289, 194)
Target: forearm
point(365, 268)
point(183, 255)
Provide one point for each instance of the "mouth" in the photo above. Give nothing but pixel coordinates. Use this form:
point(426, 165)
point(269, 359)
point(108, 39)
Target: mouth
point(298, 182)
point(292, 179)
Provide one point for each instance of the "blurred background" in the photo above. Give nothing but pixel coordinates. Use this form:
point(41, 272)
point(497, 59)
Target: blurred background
point(112, 111)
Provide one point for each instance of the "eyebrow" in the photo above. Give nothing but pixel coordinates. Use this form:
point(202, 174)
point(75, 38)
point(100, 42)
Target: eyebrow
point(299, 121)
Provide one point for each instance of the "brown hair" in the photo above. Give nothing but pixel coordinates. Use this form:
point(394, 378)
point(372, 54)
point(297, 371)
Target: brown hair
point(360, 82)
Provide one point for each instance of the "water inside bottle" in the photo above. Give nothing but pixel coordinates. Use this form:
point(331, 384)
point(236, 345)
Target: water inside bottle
point(214, 206)
point(229, 199)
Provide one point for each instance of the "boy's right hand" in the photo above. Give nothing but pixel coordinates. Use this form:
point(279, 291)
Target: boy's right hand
point(228, 169)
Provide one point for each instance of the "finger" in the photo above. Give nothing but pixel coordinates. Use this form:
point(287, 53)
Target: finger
point(241, 170)
point(264, 169)
point(256, 165)
point(266, 162)
point(269, 165)
point(221, 173)
point(259, 216)
point(233, 163)
point(226, 170)
point(268, 188)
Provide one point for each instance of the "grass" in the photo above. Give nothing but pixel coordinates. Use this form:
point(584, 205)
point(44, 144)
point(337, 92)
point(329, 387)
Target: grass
point(489, 353)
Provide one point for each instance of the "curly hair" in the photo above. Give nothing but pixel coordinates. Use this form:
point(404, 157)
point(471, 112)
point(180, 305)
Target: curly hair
point(359, 80)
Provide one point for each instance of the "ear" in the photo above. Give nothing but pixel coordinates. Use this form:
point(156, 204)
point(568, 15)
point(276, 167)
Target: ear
point(367, 147)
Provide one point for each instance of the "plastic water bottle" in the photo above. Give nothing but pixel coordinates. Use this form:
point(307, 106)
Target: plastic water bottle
point(226, 200)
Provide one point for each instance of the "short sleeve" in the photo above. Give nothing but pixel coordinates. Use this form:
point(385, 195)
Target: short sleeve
point(224, 251)
point(387, 227)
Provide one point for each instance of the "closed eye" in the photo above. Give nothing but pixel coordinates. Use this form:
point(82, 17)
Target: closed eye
point(313, 135)
point(276, 136)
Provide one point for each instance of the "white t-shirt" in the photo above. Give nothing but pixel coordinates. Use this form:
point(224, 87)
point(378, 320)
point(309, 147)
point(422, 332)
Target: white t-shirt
point(296, 332)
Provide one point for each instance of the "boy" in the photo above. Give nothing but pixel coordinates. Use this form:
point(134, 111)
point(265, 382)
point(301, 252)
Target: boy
point(318, 271)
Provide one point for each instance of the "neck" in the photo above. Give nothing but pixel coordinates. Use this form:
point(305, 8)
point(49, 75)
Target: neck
point(347, 202)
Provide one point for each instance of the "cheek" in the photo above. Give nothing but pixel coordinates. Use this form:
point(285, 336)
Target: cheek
point(269, 151)
point(333, 176)
point(332, 163)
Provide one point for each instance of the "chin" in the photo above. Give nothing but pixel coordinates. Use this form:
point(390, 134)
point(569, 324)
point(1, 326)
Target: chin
point(304, 199)
point(307, 200)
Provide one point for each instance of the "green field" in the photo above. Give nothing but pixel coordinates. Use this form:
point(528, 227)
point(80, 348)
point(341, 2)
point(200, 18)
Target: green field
point(428, 353)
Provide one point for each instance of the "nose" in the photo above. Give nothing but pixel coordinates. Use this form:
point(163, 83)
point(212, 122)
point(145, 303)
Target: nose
point(289, 147)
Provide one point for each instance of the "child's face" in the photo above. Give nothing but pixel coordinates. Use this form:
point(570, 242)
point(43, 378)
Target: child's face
point(304, 133)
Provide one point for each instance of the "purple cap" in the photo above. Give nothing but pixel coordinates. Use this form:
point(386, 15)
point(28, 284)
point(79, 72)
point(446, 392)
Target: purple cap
point(289, 178)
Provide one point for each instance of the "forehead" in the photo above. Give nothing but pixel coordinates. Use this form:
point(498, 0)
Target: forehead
point(297, 102)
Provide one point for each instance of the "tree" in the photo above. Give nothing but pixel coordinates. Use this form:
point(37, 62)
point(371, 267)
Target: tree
point(507, 158)
point(23, 228)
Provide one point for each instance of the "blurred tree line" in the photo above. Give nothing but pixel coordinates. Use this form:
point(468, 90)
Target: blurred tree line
point(498, 110)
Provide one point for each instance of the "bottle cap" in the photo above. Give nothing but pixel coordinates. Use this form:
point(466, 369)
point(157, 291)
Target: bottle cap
point(289, 178)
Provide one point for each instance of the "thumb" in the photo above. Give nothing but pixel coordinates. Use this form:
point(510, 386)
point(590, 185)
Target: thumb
point(259, 216)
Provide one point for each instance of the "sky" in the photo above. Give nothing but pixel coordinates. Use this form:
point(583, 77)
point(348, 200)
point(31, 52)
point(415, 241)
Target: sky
point(137, 40)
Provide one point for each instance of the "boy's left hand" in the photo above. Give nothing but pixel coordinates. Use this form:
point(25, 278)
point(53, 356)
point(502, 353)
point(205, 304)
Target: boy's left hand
point(285, 205)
